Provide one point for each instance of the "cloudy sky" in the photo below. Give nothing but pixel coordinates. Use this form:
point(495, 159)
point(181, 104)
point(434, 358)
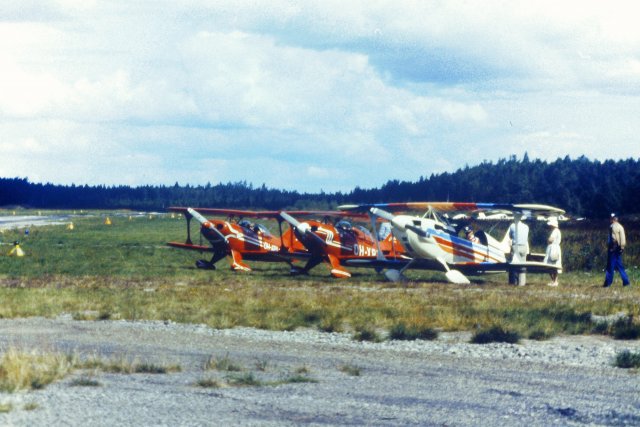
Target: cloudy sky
point(310, 95)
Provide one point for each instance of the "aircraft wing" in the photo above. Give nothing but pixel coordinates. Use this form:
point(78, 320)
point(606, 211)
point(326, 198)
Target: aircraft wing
point(199, 248)
point(455, 207)
point(472, 268)
point(273, 214)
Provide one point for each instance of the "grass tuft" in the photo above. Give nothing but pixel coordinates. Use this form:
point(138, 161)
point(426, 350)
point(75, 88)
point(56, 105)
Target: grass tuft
point(31, 406)
point(627, 360)
point(85, 381)
point(401, 331)
point(539, 335)
point(222, 364)
point(352, 370)
point(151, 368)
point(626, 330)
point(209, 383)
point(21, 370)
point(495, 334)
point(366, 334)
point(295, 379)
point(123, 365)
point(244, 380)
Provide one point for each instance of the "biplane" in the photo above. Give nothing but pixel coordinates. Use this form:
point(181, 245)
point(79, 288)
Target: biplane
point(431, 240)
point(313, 241)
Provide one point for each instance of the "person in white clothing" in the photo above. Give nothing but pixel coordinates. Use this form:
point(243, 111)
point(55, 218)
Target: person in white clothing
point(553, 254)
point(519, 238)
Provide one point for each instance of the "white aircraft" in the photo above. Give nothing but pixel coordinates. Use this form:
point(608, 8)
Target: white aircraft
point(432, 243)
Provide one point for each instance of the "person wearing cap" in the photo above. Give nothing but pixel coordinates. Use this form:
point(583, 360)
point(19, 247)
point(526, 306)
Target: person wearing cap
point(468, 232)
point(615, 247)
point(553, 254)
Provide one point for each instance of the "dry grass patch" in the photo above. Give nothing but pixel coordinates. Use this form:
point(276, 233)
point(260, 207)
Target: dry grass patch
point(22, 370)
point(125, 365)
point(224, 363)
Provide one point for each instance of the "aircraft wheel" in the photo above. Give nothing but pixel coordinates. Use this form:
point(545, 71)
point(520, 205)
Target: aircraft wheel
point(205, 265)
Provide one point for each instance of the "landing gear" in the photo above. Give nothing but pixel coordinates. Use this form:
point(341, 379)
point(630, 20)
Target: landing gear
point(205, 265)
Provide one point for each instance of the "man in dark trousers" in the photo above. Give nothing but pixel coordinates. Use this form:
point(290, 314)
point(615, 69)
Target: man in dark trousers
point(615, 246)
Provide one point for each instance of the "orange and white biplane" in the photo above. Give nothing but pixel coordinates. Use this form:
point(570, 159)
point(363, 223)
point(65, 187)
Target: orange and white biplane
point(431, 240)
point(315, 241)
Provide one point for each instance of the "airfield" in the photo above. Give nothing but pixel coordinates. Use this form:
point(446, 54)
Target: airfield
point(264, 348)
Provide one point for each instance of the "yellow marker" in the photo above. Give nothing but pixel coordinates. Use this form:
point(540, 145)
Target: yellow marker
point(16, 250)
point(70, 226)
point(107, 221)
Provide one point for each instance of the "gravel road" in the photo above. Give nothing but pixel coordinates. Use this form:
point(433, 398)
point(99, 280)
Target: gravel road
point(563, 381)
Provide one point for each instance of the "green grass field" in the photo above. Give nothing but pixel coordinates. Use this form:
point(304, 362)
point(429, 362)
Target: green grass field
point(126, 271)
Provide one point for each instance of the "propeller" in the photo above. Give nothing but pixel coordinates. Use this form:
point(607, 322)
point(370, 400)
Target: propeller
point(303, 228)
point(206, 224)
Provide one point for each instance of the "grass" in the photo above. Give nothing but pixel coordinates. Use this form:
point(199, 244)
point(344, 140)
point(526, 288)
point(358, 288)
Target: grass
point(31, 406)
point(33, 370)
point(21, 370)
point(85, 381)
point(366, 333)
point(401, 331)
point(124, 365)
point(125, 271)
point(627, 360)
point(210, 383)
point(352, 370)
point(495, 334)
point(224, 364)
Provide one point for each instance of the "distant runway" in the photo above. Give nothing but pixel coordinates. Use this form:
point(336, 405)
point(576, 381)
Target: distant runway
point(21, 221)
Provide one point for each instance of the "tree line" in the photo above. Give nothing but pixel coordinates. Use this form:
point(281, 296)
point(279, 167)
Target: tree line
point(581, 186)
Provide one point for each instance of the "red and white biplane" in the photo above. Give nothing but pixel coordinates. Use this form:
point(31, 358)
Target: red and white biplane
point(315, 241)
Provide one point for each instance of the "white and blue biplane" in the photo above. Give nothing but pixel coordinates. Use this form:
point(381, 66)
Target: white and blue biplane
point(431, 241)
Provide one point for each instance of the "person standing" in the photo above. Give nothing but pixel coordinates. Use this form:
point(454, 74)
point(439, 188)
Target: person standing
point(615, 247)
point(553, 254)
point(519, 237)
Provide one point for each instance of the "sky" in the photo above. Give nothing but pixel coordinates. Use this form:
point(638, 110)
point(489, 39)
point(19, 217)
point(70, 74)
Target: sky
point(310, 95)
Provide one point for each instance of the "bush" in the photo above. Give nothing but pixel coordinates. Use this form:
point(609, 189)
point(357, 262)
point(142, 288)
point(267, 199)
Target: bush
point(401, 331)
point(626, 330)
point(540, 335)
point(625, 359)
point(495, 334)
point(366, 334)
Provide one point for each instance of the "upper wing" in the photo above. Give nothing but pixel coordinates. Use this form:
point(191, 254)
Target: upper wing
point(273, 214)
point(525, 209)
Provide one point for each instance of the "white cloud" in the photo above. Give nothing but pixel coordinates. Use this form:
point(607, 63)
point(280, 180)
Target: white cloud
point(316, 95)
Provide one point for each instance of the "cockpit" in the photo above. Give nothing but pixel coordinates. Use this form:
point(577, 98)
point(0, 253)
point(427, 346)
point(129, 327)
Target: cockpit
point(365, 231)
point(344, 225)
point(259, 228)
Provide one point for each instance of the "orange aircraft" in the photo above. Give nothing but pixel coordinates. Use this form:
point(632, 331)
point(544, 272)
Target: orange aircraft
point(312, 240)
